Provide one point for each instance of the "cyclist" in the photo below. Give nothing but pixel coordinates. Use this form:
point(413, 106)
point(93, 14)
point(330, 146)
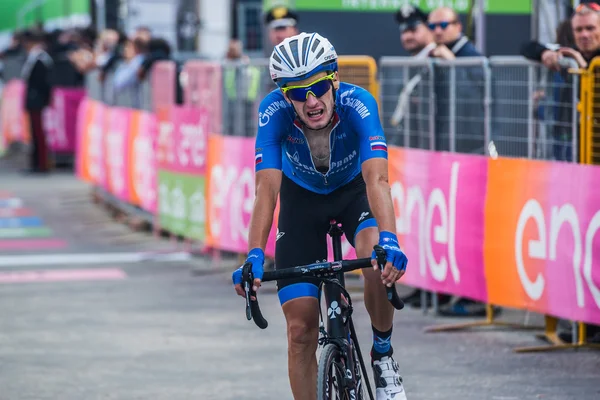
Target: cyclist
point(321, 148)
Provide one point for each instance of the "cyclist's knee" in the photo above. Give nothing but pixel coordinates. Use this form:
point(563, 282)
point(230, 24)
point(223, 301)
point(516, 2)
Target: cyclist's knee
point(302, 334)
point(302, 316)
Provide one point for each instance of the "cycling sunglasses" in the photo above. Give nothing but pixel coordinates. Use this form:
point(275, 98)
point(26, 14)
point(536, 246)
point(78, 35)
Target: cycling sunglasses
point(587, 6)
point(317, 88)
point(443, 25)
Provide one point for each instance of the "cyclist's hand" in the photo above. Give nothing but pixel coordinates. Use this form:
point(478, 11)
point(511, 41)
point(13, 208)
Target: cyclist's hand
point(396, 259)
point(257, 258)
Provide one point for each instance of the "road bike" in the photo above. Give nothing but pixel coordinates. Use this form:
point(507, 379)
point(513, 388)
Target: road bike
point(341, 372)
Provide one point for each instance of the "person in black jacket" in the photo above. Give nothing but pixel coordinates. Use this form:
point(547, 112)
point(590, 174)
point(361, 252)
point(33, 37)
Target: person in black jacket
point(35, 73)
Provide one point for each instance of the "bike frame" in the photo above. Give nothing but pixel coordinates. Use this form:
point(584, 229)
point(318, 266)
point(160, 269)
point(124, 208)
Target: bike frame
point(340, 329)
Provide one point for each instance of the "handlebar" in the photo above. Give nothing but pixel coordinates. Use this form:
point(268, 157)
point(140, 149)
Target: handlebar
point(318, 270)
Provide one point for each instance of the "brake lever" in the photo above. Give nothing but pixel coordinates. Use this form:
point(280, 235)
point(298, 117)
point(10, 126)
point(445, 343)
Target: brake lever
point(392, 294)
point(252, 307)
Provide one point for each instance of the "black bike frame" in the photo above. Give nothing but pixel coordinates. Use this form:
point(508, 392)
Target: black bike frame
point(339, 326)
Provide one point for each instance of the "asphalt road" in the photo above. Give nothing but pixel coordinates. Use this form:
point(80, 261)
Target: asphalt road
point(121, 329)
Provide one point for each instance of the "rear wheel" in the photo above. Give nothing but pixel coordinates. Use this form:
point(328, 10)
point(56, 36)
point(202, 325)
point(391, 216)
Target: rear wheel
point(330, 375)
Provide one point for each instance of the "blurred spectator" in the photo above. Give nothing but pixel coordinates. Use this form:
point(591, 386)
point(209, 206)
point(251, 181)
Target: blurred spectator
point(282, 24)
point(242, 83)
point(415, 36)
point(105, 46)
point(126, 74)
point(447, 32)
point(35, 73)
point(469, 84)
point(142, 32)
point(158, 50)
point(16, 45)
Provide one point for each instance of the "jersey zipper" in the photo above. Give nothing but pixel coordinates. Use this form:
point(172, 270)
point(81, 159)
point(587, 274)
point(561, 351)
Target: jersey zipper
point(331, 144)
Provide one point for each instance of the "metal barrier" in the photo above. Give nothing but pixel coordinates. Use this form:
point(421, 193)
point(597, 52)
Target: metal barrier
point(534, 112)
point(201, 81)
point(245, 84)
point(501, 105)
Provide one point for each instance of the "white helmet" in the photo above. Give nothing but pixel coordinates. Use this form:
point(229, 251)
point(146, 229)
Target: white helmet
point(301, 56)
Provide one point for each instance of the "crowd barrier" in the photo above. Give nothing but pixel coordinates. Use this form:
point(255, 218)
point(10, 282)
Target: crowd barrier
point(486, 228)
point(495, 230)
point(60, 117)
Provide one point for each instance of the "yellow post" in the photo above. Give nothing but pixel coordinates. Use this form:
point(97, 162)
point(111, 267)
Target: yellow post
point(490, 321)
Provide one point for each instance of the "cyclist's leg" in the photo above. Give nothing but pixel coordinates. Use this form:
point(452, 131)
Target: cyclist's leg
point(302, 240)
point(361, 231)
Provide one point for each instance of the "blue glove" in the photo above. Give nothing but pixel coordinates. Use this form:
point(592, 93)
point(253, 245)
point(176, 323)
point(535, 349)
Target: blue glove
point(257, 258)
point(389, 242)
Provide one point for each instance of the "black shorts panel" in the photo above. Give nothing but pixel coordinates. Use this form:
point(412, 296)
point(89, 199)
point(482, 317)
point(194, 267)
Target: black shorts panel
point(304, 218)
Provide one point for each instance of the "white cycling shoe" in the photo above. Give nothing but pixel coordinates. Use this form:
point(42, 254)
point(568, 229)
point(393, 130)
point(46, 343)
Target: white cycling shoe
point(388, 382)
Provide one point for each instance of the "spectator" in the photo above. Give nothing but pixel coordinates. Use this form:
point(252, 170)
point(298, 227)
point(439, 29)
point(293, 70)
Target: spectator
point(415, 36)
point(134, 54)
point(241, 82)
point(144, 33)
point(469, 84)
point(447, 31)
point(35, 74)
point(282, 24)
point(158, 50)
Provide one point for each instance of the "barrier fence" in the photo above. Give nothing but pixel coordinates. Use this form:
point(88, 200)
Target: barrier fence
point(190, 167)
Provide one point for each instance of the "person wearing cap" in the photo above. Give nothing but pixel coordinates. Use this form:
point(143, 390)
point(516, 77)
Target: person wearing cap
point(415, 37)
point(282, 24)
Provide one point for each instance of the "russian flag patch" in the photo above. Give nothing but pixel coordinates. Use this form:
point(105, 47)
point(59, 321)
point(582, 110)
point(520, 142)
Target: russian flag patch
point(378, 146)
point(258, 159)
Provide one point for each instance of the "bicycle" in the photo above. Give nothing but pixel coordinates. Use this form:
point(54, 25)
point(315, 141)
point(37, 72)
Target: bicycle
point(341, 367)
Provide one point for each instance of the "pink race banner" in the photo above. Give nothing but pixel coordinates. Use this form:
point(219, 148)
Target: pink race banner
point(90, 156)
point(143, 181)
point(116, 142)
point(230, 194)
point(183, 139)
point(439, 200)
point(13, 118)
point(542, 242)
point(61, 119)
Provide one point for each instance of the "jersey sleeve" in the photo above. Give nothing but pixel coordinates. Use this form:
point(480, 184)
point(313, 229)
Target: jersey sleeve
point(364, 113)
point(273, 122)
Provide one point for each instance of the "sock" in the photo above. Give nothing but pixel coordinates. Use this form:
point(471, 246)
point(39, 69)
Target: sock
point(382, 344)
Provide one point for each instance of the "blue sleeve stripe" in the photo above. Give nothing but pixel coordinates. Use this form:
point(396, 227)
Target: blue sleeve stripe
point(296, 290)
point(367, 223)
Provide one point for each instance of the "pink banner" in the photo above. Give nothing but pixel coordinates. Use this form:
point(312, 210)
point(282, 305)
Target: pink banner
point(230, 194)
point(143, 166)
point(439, 200)
point(90, 158)
point(116, 142)
point(61, 118)
point(13, 118)
point(573, 262)
point(190, 127)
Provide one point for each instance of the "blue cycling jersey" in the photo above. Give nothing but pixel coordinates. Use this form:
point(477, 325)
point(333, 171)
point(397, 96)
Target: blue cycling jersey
point(356, 136)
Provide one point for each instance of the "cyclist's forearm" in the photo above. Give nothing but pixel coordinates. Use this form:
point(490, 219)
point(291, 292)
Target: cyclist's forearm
point(261, 221)
point(380, 201)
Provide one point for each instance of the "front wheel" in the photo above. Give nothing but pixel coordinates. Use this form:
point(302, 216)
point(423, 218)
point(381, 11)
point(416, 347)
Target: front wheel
point(330, 375)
